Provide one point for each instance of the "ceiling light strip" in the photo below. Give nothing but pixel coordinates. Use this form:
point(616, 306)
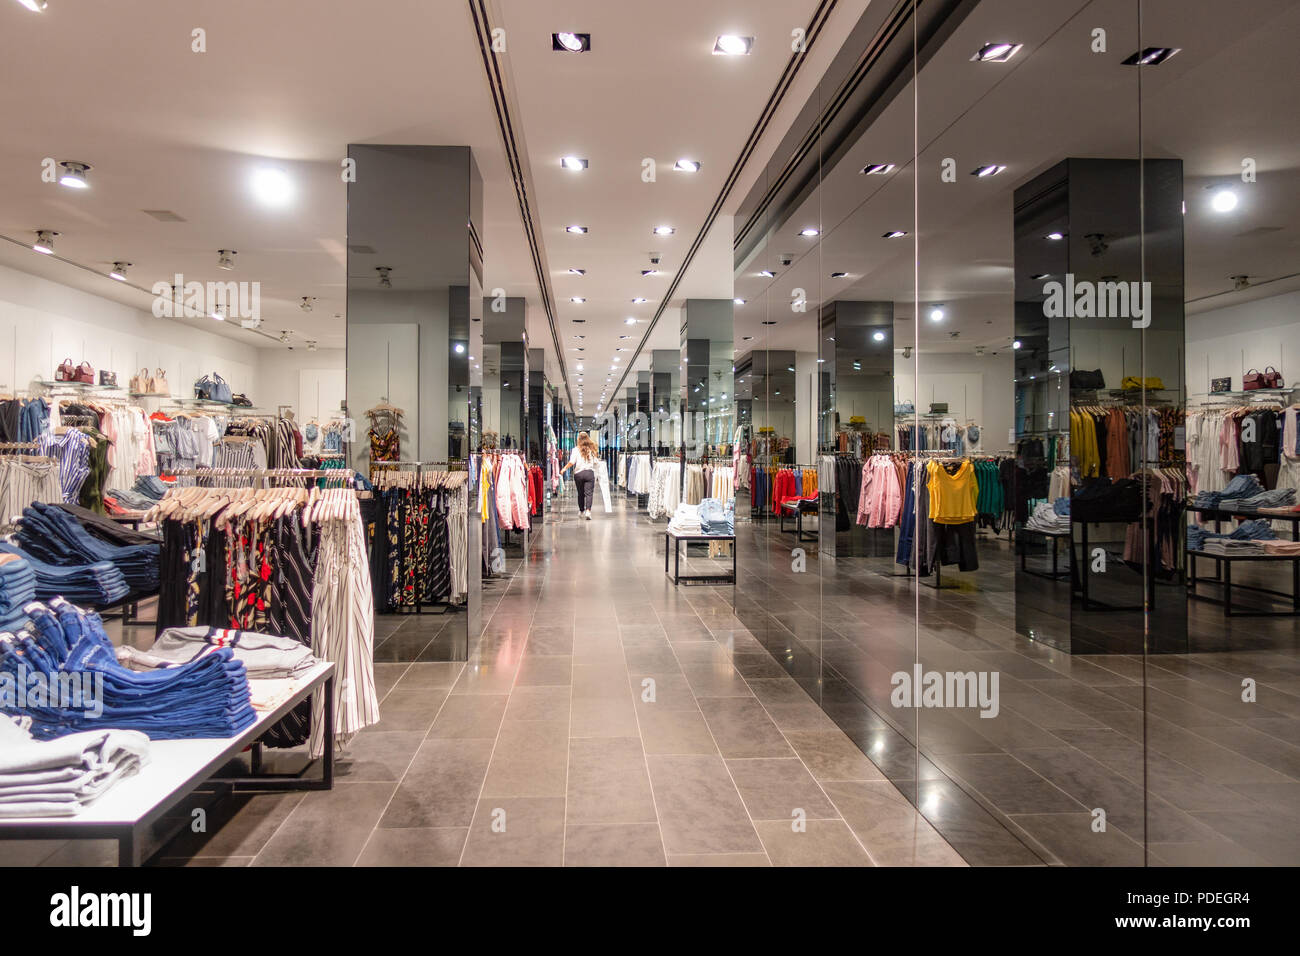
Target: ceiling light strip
point(774, 101)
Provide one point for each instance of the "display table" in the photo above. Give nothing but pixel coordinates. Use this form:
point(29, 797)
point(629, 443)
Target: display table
point(1223, 576)
point(1055, 538)
point(797, 508)
point(177, 768)
point(672, 546)
point(1219, 515)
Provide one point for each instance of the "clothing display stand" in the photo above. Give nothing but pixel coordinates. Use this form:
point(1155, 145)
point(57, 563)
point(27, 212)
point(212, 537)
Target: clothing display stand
point(419, 467)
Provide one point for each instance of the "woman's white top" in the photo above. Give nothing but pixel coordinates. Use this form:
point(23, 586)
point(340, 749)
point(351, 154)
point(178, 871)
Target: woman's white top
point(581, 464)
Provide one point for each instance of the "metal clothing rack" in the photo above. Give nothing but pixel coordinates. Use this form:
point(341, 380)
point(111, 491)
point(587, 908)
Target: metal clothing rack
point(419, 467)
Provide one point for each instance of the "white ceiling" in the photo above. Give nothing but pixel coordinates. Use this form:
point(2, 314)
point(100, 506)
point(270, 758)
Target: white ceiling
point(1233, 91)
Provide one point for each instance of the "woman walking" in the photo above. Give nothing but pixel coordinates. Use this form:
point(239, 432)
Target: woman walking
point(583, 461)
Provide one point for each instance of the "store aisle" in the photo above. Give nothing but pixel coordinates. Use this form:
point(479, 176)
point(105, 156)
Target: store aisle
point(544, 749)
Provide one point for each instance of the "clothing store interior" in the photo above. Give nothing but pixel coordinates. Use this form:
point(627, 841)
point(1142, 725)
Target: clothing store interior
point(941, 360)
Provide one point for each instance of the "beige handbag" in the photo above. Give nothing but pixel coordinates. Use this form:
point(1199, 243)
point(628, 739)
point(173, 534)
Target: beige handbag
point(158, 384)
point(140, 381)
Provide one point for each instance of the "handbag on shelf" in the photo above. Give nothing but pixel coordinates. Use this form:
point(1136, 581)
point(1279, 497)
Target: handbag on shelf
point(1081, 378)
point(85, 374)
point(140, 381)
point(107, 379)
point(158, 384)
point(1220, 385)
point(1132, 383)
point(1255, 379)
point(938, 408)
point(242, 400)
point(66, 372)
point(904, 408)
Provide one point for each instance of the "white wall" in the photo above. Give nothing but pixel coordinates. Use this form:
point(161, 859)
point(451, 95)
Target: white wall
point(1227, 342)
point(309, 382)
point(979, 389)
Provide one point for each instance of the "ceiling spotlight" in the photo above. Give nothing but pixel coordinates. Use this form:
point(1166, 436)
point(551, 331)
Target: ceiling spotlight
point(119, 271)
point(738, 301)
point(1151, 56)
point(1223, 200)
point(384, 281)
point(730, 45)
point(578, 322)
point(219, 313)
point(36, 6)
point(838, 275)
point(878, 336)
point(311, 346)
point(226, 259)
point(459, 348)
point(571, 42)
point(686, 166)
point(769, 322)
point(625, 336)
point(45, 241)
point(573, 162)
point(284, 336)
point(577, 299)
point(894, 234)
point(1240, 282)
point(767, 273)
point(651, 272)
point(579, 367)
point(1039, 276)
point(936, 314)
point(74, 174)
point(577, 230)
point(307, 300)
point(273, 186)
point(637, 301)
point(985, 171)
point(577, 272)
point(1055, 236)
point(809, 232)
point(664, 230)
point(1015, 344)
point(996, 52)
point(877, 169)
point(745, 338)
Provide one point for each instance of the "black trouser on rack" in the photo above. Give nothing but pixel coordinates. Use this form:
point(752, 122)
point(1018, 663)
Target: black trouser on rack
point(586, 485)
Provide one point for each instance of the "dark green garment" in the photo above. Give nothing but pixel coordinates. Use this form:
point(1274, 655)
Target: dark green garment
point(92, 489)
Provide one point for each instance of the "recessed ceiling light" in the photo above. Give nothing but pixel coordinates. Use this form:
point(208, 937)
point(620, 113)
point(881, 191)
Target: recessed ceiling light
point(460, 348)
point(738, 301)
point(273, 187)
point(1151, 56)
point(1055, 236)
point(651, 272)
point(767, 273)
point(985, 171)
point(119, 271)
point(732, 45)
point(1015, 344)
point(1223, 200)
point(996, 52)
point(1037, 277)
point(878, 336)
point(573, 162)
point(877, 169)
point(571, 42)
point(577, 230)
point(36, 6)
point(577, 272)
point(579, 336)
point(629, 321)
point(809, 232)
point(577, 299)
point(74, 174)
point(664, 230)
point(894, 234)
point(44, 241)
point(686, 166)
point(745, 338)
point(936, 314)
point(226, 259)
point(384, 272)
point(625, 336)
point(838, 275)
point(577, 321)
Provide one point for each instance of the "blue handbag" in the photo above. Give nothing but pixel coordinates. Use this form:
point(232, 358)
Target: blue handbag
point(213, 389)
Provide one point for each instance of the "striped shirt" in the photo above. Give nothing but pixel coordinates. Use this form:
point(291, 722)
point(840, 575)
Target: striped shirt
point(72, 450)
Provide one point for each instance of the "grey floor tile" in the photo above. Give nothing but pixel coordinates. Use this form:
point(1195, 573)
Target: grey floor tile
point(539, 703)
point(441, 787)
point(780, 788)
point(635, 844)
point(830, 755)
point(409, 709)
point(424, 846)
point(699, 808)
point(607, 781)
point(742, 728)
point(719, 859)
point(820, 843)
point(538, 670)
point(470, 716)
point(530, 760)
point(328, 828)
point(675, 731)
point(516, 831)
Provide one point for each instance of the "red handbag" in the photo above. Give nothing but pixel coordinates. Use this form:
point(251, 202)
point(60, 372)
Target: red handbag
point(85, 373)
point(1255, 379)
point(65, 372)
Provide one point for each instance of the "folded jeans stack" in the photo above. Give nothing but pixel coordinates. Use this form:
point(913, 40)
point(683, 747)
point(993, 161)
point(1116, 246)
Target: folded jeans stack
point(56, 778)
point(1276, 498)
point(1241, 486)
point(56, 537)
point(264, 656)
point(99, 584)
point(17, 589)
point(1230, 548)
point(208, 697)
point(717, 518)
point(1253, 530)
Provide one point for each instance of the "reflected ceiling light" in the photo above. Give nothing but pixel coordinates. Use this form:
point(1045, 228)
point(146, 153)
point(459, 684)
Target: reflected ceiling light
point(936, 314)
point(731, 45)
point(996, 52)
point(877, 169)
point(1151, 56)
point(384, 281)
point(810, 232)
point(985, 171)
point(1038, 277)
point(74, 174)
point(651, 272)
point(629, 321)
point(686, 166)
point(637, 301)
point(878, 336)
point(738, 301)
point(459, 348)
point(625, 336)
point(577, 272)
point(226, 259)
point(1223, 200)
point(1055, 236)
point(767, 273)
point(579, 336)
point(571, 42)
point(894, 234)
point(36, 6)
point(44, 241)
point(1015, 344)
point(219, 313)
point(119, 271)
point(664, 230)
point(272, 187)
point(838, 275)
point(577, 230)
point(311, 346)
point(577, 299)
point(573, 162)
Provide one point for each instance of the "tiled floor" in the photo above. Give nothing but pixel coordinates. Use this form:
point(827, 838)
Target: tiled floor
point(605, 718)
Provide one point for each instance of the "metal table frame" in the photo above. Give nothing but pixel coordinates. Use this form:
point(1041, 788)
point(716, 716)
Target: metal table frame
point(672, 545)
point(129, 833)
point(1223, 576)
point(1056, 537)
point(799, 507)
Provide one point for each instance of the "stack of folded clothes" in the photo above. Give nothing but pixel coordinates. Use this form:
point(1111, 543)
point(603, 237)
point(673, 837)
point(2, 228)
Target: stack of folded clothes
point(1287, 548)
point(56, 778)
point(1231, 547)
point(1241, 486)
point(57, 538)
point(1047, 518)
point(207, 697)
point(1256, 529)
point(1276, 498)
point(264, 656)
point(96, 585)
point(17, 589)
point(108, 530)
point(686, 520)
point(717, 517)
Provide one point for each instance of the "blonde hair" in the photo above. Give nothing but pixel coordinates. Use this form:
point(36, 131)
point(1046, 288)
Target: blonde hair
point(587, 447)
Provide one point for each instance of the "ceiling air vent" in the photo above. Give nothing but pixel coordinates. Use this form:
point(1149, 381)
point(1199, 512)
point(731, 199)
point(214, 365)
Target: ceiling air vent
point(361, 250)
point(164, 215)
